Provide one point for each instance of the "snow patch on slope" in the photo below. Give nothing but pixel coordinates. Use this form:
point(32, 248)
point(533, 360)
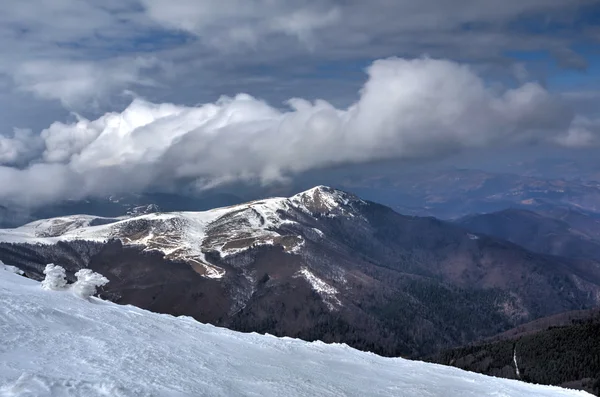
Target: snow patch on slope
point(327, 292)
point(54, 344)
point(472, 236)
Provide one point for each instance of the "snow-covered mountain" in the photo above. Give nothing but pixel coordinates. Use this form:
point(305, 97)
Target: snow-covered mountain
point(57, 344)
point(187, 236)
point(115, 206)
point(322, 264)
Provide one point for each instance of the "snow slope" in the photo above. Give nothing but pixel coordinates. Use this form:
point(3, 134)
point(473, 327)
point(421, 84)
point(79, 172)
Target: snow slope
point(56, 344)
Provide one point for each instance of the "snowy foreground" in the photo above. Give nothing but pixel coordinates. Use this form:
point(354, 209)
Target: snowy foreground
point(54, 343)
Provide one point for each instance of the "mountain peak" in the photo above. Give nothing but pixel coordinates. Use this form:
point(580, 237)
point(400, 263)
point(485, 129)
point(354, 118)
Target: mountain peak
point(326, 200)
point(187, 236)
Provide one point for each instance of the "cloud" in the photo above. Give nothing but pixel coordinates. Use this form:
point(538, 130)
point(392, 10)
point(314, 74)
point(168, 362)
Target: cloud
point(75, 83)
point(88, 52)
point(354, 28)
point(223, 24)
point(408, 108)
point(38, 184)
point(19, 148)
point(569, 59)
point(583, 132)
point(76, 52)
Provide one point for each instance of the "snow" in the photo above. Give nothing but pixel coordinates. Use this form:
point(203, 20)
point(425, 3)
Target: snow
point(317, 284)
point(55, 344)
point(325, 199)
point(12, 269)
point(51, 231)
point(296, 249)
point(87, 282)
point(517, 372)
point(84, 287)
point(56, 278)
point(326, 291)
point(178, 235)
point(187, 236)
point(78, 227)
point(319, 233)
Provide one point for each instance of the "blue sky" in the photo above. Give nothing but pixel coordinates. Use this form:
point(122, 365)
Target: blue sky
point(402, 79)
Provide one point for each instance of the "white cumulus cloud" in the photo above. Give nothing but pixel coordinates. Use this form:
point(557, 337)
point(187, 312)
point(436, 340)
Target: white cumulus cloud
point(407, 108)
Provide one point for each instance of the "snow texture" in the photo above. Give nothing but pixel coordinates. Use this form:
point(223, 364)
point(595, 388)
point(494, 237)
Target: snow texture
point(56, 278)
point(86, 283)
point(12, 269)
point(54, 344)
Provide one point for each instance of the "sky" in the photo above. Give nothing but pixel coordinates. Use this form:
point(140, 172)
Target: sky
point(103, 97)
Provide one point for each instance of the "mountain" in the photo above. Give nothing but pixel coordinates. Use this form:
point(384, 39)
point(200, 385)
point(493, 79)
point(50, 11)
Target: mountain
point(115, 206)
point(556, 232)
point(559, 350)
point(447, 193)
point(542, 324)
point(322, 264)
point(583, 168)
point(57, 344)
point(10, 217)
point(452, 193)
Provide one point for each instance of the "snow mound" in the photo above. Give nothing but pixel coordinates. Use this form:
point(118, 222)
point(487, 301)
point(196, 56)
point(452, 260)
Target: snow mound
point(84, 287)
point(54, 344)
point(56, 278)
point(86, 283)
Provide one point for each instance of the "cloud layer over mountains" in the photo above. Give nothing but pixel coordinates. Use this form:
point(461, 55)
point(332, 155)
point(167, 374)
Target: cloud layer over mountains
point(407, 108)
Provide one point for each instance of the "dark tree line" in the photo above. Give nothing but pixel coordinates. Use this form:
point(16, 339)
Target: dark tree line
point(567, 356)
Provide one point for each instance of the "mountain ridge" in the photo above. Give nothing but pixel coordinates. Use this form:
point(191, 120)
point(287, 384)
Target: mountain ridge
point(570, 234)
point(322, 264)
point(175, 233)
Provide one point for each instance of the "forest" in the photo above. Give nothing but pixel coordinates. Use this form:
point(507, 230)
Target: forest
point(567, 356)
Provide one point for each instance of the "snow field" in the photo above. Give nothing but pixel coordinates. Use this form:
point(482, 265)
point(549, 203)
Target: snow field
point(54, 343)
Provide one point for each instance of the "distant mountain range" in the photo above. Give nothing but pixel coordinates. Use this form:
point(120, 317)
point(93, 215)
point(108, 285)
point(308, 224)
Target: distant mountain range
point(322, 264)
point(448, 193)
point(559, 232)
point(454, 193)
point(114, 206)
